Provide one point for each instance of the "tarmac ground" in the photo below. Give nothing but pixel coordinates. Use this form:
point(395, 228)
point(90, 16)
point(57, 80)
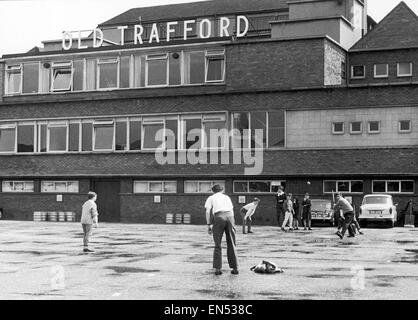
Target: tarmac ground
point(44, 260)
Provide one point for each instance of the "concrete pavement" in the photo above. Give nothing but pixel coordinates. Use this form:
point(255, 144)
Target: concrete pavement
point(45, 261)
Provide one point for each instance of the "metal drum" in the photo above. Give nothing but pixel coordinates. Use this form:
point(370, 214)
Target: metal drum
point(70, 217)
point(169, 218)
point(52, 216)
point(44, 216)
point(187, 218)
point(179, 218)
point(37, 216)
point(61, 216)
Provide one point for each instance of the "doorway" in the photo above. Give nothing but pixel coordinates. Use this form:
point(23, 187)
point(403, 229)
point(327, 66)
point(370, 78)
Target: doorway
point(108, 201)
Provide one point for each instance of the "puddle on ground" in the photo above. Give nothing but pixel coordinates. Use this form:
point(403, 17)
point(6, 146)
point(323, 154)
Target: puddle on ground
point(120, 270)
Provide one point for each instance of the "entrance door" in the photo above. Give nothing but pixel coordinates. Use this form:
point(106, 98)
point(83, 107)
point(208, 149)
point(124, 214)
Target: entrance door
point(108, 203)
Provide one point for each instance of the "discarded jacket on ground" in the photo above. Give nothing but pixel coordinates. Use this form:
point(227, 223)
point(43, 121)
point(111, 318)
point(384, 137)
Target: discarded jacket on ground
point(267, 267)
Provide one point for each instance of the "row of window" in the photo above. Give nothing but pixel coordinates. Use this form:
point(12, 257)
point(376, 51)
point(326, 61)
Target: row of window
point(205, 186)
point(373, 127)
point(192, 131)
point(131, 71)
point(381, 70)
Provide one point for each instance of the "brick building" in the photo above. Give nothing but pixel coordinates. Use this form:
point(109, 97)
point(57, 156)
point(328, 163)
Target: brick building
point(336, 96)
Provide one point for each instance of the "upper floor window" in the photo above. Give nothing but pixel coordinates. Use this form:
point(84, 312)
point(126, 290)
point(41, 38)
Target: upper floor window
point(57, 136)
point(157, 70)
point(31, 77)
point(7, 138)
point(62, 76)
point(405, 69)
point(14, 79)
point(103, 135)
point(373, 127)
point(215, 66)
point(358, 72)
point(108, 73)
point(381, 70)
point(343, 70)
point(338, 128)
point(405, 126)
point(18, 186)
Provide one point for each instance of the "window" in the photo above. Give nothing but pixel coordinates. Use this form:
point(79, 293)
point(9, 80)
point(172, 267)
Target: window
point(175, 69)
point(108, 73)
point(257, 186)
point(14, 79)
point(135, 128)
point(258, 122)
point(26, 138)
point(381, 70)
point(153, 133)
point(121, 138)
point(103, 135)
point(192, 132)
point(42, 136)
point(194, 67)
point(393, 186)
point(215, 66)
point(61, 76)
point(201, 186)
point(405, 126)
point(405, 69)
point(91, 65)
point(276, 129)
point(241, 130)
point(31, 77)
point(57, 133)
point(374, 127)
point(155, 186)
point(125, 66)
point(343, 70)
point(7, 138)
point(74, 136)
point(356, 127)
point(216, 133)
point(78, 75)
point(18, 186)
point(87, 136)
point(355, 186)
point(59, 186)
point(157, 70)
point(338, 128)
point(358, 72)
point(171, 133)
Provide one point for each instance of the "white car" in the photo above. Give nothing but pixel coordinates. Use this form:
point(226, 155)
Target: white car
point(378, 208)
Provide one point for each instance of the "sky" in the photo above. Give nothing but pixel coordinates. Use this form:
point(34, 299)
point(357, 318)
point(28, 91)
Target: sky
point(24, 24)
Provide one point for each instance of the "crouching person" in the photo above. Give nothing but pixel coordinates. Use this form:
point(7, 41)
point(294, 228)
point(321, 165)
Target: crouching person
point(89, 218)
point(247, 212)
point(221, 208)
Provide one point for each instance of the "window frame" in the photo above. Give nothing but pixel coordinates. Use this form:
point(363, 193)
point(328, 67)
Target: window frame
point(154, 57)
point(99, 62)
point(356, 132)
point(400, 126)
point(386, 75)
point(18, 181)
point(62, 65)
point(350, 183)
point(211, 182)
point(222, 119)
point(358, 77)
point(8, 71)
point(103, 122)
point(55, 124)
point(252, 181)
point(213, 54)
point(400, 186)
point(10, 126)
point(369, 131)
point(58, 181)
point(151, 121)
point(148, 182)
point(338, 132)
point(405, 75)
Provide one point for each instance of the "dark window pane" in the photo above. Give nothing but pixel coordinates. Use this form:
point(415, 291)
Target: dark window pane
point(241, 127)
point(379, 186)
point(103, 137)
point(108, 75)
point(121, 143)
point(393, 186)
point(343, 186)
point(338, 127)
point(30, 77)
point(356, 127)
point(43, 129)
point(78, 75)
point(216, 134)
point(25, 138)
point(171, 134)
point(124, 72)
point(7, 140)
point(197, 67)
point(74, 136)
point(175, 78)
point(330, 186)
point(193, 133)
point(259, 186)
point(357, 186)
point(87, 136)
point(405, 125)
point(276, 129)
point(258, 121)
point(215, 69)
point(358, 71)
point(407, 186)
point(153, 134)
point(57, 139)
point(240, 186)
point(157, 72)
point(135, 135)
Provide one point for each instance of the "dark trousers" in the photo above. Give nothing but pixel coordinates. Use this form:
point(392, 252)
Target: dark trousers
point(224, 222)
point(348, 220)
point(87, 228)
point(307, 218)
point(280, 215)
point(247, 222)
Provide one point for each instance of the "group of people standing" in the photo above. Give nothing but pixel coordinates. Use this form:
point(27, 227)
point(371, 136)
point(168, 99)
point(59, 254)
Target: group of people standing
point(289, 211)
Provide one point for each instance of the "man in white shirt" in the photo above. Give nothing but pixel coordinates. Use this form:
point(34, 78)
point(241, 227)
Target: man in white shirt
point(89, 218)
point(220, 220)
point(247, 212)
